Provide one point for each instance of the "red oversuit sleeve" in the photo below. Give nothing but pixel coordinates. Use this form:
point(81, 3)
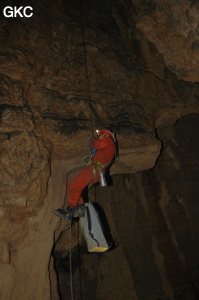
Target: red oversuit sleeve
point(98, 144)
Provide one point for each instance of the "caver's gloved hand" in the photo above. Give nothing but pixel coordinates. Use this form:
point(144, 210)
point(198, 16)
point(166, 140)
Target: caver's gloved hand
point(90, 139)
point(92, 150)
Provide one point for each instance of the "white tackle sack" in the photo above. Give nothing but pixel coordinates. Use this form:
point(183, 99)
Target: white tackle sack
point(92, 230)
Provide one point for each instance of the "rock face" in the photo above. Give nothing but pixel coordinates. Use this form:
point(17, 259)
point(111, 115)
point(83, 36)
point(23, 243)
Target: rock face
point(175, 32)
point(153, 221)
point(74, 66)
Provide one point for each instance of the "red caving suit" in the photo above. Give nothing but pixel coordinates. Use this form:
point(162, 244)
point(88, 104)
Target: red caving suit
point(105, 152)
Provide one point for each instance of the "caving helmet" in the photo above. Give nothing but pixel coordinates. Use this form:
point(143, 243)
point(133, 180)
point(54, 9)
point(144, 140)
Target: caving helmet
point(105, 132)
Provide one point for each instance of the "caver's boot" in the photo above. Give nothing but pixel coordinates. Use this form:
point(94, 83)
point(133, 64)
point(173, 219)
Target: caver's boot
point(79, 211)
point(67, 213)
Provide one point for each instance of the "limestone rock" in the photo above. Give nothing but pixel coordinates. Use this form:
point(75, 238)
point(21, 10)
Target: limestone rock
point(173, 28)
point(151, 221)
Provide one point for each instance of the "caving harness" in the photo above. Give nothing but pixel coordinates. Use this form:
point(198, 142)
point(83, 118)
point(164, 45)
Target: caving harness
point(98, 166)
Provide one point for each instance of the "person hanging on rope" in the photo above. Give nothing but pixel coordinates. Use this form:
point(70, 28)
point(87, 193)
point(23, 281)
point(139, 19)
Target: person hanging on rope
point(103, 151)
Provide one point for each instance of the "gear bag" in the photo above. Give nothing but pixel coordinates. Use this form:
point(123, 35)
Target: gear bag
point(92, 230)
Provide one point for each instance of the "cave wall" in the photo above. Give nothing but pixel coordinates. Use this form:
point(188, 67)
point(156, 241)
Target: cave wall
point(135, 87)
point(151, 219)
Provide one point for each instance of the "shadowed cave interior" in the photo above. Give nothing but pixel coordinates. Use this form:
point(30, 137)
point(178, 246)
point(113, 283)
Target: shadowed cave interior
point(153, 227)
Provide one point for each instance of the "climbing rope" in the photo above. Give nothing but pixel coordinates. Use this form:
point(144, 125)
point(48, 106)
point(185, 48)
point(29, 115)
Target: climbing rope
point(87, 71)
point(92, 129)
point(70, 258)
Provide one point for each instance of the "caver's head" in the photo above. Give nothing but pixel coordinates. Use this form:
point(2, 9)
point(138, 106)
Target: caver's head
point(105, 132)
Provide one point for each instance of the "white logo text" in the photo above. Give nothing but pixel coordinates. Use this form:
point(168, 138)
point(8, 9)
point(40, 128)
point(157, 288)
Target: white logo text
point(13, 12)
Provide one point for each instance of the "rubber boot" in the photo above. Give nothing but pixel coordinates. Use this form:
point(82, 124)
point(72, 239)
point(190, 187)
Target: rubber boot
point(68, 213)
point(79, 211)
